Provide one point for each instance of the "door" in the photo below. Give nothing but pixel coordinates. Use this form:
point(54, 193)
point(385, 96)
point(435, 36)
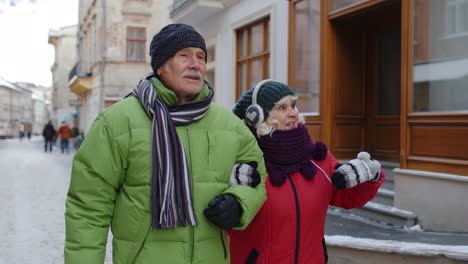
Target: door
point(383, 82)
point(367, 94)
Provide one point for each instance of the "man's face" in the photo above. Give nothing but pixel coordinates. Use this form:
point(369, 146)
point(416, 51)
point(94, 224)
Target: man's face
point(184, 73)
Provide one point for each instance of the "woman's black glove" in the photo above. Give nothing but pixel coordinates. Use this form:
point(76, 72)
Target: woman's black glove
point(224, 211)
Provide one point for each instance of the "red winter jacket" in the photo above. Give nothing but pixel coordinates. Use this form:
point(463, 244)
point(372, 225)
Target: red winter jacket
point(282, 231)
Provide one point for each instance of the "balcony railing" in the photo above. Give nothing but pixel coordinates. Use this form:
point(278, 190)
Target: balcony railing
point(79, 83)
point(73, 72)
point(76, 72)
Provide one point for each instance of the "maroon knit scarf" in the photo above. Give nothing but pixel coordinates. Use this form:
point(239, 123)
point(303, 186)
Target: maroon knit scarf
point(288, 151)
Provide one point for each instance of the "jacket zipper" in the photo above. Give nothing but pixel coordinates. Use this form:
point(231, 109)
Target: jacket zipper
point(222, 242)
point(189, 161)
point(298, 220)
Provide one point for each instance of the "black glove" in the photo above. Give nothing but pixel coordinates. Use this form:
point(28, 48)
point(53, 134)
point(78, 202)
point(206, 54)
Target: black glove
point(224, 211)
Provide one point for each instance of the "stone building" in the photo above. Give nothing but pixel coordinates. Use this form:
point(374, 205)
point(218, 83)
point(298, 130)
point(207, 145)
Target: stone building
point(41, 106)
point(64, 101)
point(16, 112)
point(113, 41)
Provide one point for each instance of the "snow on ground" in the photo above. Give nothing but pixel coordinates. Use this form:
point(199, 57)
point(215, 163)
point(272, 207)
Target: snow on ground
point(390, 246)
point(33, 188)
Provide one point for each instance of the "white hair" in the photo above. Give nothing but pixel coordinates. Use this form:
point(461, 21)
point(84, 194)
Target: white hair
point(271, 124)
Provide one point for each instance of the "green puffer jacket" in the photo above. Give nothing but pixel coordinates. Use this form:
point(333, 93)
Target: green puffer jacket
point(110, 185)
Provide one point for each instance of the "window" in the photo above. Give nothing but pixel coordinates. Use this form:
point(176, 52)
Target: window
point(304, 64)
point(339, 4)
point(136, 42)
point(210, 66)
point(416, 33)
point(456, 17)
point(440, 77)
point(252, 54)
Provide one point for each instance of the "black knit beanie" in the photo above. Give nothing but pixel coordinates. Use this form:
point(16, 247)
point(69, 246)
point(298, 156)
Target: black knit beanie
point(267, 96)
point(172, 38)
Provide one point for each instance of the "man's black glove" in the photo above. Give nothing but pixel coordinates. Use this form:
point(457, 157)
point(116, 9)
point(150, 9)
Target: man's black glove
point(224, 211)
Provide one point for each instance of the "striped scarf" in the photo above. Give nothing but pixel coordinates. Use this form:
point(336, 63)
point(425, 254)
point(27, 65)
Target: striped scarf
point(171, 192)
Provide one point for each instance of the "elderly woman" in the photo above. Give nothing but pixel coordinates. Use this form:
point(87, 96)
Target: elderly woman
point(303, 180)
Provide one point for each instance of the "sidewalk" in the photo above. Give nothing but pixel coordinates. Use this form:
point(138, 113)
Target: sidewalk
point(356, 232)
point(33, 190)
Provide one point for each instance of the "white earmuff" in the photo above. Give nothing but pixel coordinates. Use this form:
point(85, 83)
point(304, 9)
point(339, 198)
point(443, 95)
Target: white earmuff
point(254, 113)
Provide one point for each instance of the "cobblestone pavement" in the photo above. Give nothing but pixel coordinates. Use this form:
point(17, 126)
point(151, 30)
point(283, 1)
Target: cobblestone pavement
point(33, 187)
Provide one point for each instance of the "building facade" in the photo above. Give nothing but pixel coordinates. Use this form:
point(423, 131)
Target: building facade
point(16, 109)
point(40, 106)
point(385, 76)
point(113, 41)
point(64, 102)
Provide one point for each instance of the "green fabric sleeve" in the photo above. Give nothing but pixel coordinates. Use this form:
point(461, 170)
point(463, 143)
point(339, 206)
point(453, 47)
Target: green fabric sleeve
point(250, 199)
point(97, 174)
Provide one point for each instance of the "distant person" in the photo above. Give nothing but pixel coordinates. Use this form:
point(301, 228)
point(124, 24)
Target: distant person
point(64, 133)
point(75, 130)
point(27, 132)
point(21, 132)
point(48, 133)
point(78, 140)
point(74, 135)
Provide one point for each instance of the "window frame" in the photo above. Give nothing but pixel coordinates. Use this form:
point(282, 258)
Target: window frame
point(416, 95)
point(134, 41)
point(458, 19)
point(249, 59)
point(291, 55)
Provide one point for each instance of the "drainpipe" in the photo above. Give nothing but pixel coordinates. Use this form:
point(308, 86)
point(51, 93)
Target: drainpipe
point(10, 110)
point(103, 53)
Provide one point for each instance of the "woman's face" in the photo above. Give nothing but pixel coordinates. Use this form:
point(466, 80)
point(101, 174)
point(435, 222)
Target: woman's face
point(285, 115)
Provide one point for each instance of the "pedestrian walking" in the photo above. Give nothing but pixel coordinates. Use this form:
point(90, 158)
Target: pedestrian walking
point(78, 140)
point(156, 167)
point(302, 182)
point(74, 135)
point(48, 133)
point(21, 132)
point(64, 133)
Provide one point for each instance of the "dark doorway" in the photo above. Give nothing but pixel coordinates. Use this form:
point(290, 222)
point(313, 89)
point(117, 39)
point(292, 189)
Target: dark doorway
point(367, 102)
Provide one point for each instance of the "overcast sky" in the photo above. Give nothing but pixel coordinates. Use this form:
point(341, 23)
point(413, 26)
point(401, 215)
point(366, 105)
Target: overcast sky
point(25, 55)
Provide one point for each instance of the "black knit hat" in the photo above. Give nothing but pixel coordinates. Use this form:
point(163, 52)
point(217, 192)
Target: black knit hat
point(267, 96)
point(170, 40)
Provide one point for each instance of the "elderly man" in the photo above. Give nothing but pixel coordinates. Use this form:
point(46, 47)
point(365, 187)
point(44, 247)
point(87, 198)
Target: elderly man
point(157, 167)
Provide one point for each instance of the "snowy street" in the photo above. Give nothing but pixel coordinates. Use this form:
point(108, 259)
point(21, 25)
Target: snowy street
point(32, 200)
point(33, 190)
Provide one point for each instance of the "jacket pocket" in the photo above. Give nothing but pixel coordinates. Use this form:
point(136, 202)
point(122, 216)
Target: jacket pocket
point(222, 154)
